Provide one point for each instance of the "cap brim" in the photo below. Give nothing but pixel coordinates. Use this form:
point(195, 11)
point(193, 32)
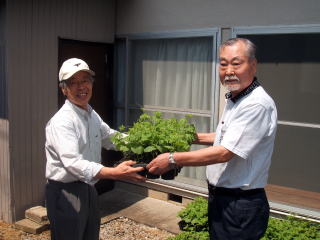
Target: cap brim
point(70, 74)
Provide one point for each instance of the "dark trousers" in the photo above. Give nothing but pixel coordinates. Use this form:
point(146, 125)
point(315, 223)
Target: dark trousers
point(73, 211)
point(236, 214)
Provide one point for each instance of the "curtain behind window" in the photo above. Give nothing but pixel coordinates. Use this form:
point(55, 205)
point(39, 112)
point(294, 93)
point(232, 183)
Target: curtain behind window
point(173, 74)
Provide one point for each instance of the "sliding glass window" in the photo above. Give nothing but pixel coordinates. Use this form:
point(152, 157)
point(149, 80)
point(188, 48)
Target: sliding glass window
point(175, 76)
point(288, 68)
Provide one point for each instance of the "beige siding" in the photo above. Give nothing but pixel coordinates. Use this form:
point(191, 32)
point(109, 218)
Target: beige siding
point(138, 16)
point(5, 186)
point(5, 183)
point(33, 29)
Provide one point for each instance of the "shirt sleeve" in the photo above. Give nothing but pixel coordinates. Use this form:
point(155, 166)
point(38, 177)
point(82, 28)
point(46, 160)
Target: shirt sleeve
point(64, 140)
point(246, 130)
point(106, 134)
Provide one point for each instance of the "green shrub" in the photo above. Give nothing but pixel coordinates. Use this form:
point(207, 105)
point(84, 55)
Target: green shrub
point(194, 225)
point(291, 228)
point(191, 236)
point(194, 221)
point(194, 217)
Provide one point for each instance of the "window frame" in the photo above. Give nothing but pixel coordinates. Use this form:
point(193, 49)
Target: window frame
point(213, 114)
point(280, 29)
point(214, 33)
point(273, 30)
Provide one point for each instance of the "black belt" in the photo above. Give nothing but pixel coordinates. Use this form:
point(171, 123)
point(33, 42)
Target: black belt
point(234, 191)
point(57, 183)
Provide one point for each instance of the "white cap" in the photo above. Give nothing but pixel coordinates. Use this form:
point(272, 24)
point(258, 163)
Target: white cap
point(72, 66)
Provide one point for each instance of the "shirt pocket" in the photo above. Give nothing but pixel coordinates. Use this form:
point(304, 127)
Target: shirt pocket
point(222, 133)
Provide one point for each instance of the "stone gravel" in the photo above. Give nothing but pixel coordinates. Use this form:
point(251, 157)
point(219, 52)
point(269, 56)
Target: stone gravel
point(117, 229)
point(126, 229)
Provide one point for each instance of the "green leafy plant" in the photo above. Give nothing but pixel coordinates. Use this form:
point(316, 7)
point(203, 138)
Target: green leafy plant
point(194, 217)
point(152, 135)
point(194, 225)
point(291, 228)
point(191, 236)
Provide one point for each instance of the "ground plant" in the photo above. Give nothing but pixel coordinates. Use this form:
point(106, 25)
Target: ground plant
point(194, 218)
point(194, 225)
point(291, 228)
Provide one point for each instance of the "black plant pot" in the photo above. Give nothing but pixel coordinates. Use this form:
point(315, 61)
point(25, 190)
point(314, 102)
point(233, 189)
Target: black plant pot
point(152, 176)
point(182, 224)
point(170, 175)
point(144, 171)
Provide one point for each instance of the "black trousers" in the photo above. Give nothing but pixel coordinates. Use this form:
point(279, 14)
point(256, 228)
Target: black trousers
point(236, 214)
point(73, 211)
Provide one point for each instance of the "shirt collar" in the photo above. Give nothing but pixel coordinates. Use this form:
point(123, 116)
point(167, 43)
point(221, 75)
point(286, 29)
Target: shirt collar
point(244, 92)
point(80, 110)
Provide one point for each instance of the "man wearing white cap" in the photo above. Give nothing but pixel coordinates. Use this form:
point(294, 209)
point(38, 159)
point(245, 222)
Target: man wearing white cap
point(74, 137)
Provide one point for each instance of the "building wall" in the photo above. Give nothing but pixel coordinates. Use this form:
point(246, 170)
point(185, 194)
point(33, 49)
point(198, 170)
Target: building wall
point(136, 16)
point(33, 29)
point(143, 16)
point(150, 16)
point(5, 195)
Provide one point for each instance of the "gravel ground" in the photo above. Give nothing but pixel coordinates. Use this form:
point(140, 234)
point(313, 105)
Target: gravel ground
point(126, 229)
point(118, 229)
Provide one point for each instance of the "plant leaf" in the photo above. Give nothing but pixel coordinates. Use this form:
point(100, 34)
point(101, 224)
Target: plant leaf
point(149, 149)
point(137, 150)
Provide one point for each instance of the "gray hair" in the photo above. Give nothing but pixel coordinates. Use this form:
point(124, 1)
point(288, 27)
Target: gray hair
point(251, 47)
point(63, 84)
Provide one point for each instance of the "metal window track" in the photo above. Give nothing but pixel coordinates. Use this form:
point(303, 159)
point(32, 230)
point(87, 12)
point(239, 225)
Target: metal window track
point(299, 124)
point(189, 191)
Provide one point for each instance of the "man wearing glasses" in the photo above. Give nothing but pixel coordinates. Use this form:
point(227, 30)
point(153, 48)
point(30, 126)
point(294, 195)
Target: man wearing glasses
point(74, 137)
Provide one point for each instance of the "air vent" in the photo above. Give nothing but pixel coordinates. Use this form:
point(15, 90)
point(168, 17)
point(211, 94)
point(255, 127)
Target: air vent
point(174, 198)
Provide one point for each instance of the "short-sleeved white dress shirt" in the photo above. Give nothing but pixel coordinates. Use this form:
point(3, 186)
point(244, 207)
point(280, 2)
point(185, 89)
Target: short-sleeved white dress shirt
point(74, 138)
point(247, 128)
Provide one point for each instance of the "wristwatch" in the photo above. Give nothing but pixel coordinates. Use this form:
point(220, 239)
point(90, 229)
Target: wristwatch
point(172, 162)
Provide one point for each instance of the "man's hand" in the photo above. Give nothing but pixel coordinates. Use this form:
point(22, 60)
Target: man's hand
point(159, 165)
point(123, 171)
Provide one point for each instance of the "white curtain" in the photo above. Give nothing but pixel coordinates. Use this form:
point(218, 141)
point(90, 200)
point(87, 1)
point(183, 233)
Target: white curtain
point(173, 73)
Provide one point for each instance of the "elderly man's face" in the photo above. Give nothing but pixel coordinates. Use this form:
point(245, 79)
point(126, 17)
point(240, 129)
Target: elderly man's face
point(236, 70)
point(79, 89)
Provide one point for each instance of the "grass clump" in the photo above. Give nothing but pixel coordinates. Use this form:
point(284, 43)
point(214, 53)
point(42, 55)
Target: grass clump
point(194, 225)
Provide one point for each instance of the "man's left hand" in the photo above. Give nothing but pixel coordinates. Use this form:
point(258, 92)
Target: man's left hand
point(159, 165)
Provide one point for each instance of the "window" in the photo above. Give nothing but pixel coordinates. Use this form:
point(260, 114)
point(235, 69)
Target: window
point(172, 75)
point(288, 66)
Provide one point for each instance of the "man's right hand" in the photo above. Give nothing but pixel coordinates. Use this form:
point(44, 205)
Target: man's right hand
point(124, 171)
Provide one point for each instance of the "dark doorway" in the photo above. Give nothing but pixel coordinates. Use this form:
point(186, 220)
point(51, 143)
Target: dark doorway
point(99, 57)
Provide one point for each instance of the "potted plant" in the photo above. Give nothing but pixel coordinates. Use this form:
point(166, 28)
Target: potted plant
point(152, 135)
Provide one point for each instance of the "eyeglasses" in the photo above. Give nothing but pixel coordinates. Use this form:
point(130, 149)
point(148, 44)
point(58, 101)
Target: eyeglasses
point(84, 81)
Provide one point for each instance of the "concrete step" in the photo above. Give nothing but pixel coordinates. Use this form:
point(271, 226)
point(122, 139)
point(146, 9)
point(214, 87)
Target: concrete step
point(142, 209)
point(30, 226)
point(37, 214)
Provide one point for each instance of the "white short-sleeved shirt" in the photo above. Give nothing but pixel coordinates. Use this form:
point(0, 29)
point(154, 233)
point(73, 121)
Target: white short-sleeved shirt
point(247, 128)
point(74, 138)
